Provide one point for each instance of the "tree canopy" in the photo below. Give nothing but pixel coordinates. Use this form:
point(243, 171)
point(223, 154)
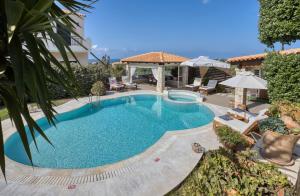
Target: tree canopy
point(279, 21)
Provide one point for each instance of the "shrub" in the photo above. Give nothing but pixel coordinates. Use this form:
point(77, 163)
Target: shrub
point(273, 111)
point(98, 89)
point(289, 109)
point(86, 76)
point(222, 171)
point(273, 124)
point(283, 75)
point(231, 139)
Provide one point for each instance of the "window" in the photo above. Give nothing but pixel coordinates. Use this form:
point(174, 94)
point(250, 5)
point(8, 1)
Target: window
point(257, 72)
point(66, 35)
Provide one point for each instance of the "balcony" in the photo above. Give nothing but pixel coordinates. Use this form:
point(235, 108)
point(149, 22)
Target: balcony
point(75, 45)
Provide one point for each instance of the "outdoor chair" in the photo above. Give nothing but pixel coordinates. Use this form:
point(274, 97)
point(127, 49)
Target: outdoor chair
point(196, 84)
point(114, 85)
point(238, 125)
point(210, 87)
point(127, 83)
point(245, 115)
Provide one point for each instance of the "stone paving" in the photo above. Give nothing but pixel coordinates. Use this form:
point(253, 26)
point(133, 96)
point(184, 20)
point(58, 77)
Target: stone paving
point(155, 172)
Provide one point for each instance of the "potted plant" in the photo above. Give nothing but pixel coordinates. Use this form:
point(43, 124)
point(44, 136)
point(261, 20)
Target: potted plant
point(278, 141)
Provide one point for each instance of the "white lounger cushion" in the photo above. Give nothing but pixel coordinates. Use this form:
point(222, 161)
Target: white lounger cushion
point(210, 86)
point(206, 88)
point(245, 114)
point(235, 124)
point(126, 82)
point(196, 83)
point(191, 86)
point(238, 125)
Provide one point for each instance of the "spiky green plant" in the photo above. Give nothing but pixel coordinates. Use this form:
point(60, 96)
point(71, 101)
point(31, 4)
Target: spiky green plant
point(26, 65)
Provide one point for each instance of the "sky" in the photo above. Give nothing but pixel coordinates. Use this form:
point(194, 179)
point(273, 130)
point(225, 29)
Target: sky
point(190, 28)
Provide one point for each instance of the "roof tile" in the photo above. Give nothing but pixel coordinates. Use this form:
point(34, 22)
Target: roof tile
point(154, 57)
point(260, 56)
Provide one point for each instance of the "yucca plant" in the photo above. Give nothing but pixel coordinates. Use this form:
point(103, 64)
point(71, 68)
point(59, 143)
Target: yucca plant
point(26, 65)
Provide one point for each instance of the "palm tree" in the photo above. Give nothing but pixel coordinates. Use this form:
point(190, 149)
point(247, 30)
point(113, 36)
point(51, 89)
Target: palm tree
point(26, 65)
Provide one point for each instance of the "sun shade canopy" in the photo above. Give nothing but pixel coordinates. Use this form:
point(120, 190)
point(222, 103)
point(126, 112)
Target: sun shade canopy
point(204, 61)
point(246, 79)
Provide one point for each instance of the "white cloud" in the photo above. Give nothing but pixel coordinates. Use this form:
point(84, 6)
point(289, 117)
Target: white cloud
point(94, 46)
point(205, 1)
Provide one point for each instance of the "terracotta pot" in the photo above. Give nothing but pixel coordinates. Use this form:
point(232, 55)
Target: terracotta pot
point(278, 148)
point(289, 122)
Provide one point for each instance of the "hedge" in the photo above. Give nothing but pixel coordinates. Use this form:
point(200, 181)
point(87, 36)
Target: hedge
point(86, 76)
point(283, 75)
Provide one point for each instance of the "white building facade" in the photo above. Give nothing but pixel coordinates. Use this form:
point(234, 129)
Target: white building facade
point(80, 52)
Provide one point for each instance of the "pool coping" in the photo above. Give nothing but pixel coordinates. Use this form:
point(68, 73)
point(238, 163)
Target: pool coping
point(20, 173)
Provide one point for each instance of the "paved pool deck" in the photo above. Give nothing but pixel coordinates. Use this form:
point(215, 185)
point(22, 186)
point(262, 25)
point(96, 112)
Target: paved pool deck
point(154, 172)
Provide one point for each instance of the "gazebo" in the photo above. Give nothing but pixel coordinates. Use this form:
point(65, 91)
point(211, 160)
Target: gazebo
point(157, 61)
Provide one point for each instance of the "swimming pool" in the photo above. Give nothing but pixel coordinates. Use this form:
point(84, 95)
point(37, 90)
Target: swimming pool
point(184, 96)
point(108, 132)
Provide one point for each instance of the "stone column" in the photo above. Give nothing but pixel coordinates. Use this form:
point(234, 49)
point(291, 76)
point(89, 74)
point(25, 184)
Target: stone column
point(161, 78)
point(185, 75)
point(129, 73)
point(240, 95)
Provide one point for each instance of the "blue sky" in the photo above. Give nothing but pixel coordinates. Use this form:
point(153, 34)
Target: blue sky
point(191, 28)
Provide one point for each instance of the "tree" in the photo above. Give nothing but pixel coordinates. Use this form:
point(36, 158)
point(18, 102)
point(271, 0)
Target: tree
point(26, 65)
point(283, 75)
point(279, 21)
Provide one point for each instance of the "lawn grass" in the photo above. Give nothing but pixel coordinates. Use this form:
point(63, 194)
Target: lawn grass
point(4, 113)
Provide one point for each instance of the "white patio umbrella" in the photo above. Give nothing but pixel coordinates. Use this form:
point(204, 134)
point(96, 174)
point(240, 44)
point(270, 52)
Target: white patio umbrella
point(246, 79)
point(204, 61)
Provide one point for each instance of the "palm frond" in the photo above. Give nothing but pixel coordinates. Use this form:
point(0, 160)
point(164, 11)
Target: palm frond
point(26, 64)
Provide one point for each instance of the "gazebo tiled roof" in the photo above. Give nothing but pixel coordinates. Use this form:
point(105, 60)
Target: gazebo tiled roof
point(260, 56)
point(155, 57)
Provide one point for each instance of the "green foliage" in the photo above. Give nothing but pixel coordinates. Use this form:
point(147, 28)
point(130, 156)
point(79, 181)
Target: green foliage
point(26, 65)
point(222, 171)
point(86, 76)
point(98, 88)
point(118, 71)
point(273, 111)
point(283, 75)
point(273, 124)
point(231, 139)
point(289, 109)
point(279, 21)
point(3, 114)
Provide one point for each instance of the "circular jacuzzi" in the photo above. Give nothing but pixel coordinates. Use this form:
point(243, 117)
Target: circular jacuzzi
point(184, 96)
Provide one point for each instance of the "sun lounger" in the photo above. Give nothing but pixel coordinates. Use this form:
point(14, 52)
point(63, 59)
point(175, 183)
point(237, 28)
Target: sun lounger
point(127, 83)
point(195, 85)
point(211, 86)
point(238, 125)
point(114, 85)
point(243, 114)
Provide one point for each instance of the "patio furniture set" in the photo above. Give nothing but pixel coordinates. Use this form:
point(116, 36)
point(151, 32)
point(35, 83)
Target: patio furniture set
point(118, 86)
point(206, 89)
point(242, 121)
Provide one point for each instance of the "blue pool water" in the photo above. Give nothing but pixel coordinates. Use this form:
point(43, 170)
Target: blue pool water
point(113, 131)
